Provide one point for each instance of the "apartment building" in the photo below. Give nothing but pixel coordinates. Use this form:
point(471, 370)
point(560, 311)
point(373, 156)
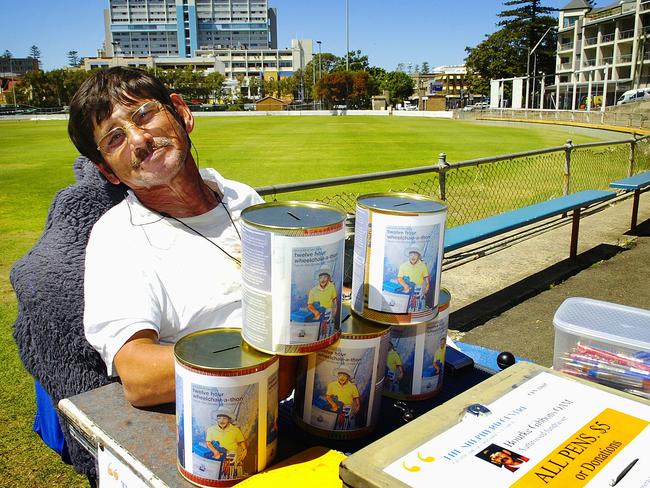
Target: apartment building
point(443, 81)
point(235, 37)
point(601, 53)
point(179, 28)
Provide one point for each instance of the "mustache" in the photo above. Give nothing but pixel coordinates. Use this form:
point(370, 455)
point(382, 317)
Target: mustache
point(142, 152)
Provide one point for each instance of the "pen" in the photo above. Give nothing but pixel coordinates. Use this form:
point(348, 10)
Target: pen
point(623, 473)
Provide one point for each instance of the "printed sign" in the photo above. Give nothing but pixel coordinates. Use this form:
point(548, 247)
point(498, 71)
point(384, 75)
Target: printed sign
point(530, 439)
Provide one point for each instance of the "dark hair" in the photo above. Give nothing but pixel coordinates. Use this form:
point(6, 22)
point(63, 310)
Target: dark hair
point(94, 101)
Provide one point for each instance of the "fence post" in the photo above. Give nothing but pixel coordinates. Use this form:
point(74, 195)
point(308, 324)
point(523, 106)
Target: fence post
point(442, 175)
point(630, 166)
point(568, 147)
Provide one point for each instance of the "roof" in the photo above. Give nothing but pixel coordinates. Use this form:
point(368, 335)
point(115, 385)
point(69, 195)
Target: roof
point(271, 98)
point(576, 5)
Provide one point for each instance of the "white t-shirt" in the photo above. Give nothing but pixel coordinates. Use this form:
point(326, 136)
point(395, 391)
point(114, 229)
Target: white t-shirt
point(144, 271)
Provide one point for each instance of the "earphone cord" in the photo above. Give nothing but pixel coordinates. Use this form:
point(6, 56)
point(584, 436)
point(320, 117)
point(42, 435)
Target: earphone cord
point(223, 204)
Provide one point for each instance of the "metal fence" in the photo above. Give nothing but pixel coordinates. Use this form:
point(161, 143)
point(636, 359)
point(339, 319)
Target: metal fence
point(479, 188)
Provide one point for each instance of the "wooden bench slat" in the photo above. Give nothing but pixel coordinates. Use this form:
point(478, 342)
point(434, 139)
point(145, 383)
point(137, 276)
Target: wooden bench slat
point(473, 232)
point(635, 182)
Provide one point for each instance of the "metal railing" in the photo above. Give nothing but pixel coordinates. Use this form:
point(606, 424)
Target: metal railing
point(479, 188)
point(626, 34)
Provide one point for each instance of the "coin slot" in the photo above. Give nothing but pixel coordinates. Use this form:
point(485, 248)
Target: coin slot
point(226, 349)
point(402, 204)
point(294, 216)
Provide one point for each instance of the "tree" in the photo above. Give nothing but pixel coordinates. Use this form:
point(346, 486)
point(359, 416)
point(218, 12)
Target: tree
point(351, 88)
point(73, 59)
point(35, 53)
point(498, 56)
point(531, 20)
point(505, 53)
point(425, 68)
point(356, 61)
point(400, 86)
point(7, 54)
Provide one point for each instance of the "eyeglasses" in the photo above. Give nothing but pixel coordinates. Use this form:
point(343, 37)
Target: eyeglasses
point(141, 118)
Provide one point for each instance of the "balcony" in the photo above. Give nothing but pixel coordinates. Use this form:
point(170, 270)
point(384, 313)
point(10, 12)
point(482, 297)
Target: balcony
point(624, 58)
point(626, 34)
point(588, 62)
point(591, 40)
point(607, 38)
point(607, 60)
point(566, 46)
point(565, 66)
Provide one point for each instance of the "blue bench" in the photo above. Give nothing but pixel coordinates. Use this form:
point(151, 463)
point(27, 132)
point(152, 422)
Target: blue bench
point(463, 235)
point(637, 184)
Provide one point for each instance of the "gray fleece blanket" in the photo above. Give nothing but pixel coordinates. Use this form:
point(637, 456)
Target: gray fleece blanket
point(48, 282)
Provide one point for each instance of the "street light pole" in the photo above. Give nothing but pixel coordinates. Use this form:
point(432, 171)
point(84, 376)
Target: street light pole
point(530, 53)
point(320, 71)
point(347, 36)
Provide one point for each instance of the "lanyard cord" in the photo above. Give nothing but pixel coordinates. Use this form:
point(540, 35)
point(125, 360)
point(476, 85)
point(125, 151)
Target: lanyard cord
point(206, 238)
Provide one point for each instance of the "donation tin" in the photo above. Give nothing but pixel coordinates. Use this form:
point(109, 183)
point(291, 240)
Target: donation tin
point(338, 390)
point(416, 356)
point(398, 248)
point(292, 274)
point(226, 407)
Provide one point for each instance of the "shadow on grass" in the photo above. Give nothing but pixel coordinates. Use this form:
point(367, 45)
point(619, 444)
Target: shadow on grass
point(479, 312)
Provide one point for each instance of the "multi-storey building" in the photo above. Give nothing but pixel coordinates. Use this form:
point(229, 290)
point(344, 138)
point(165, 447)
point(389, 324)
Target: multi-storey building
point(231, 62)
point(601, 53)
point(235, 37)
point(179, 28)
point(443, 81)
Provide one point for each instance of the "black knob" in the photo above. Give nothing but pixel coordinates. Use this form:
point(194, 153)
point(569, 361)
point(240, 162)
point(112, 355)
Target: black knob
point(505, 360)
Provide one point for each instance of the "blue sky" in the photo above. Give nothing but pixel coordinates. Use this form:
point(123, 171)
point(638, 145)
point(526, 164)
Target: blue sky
point(388, 31)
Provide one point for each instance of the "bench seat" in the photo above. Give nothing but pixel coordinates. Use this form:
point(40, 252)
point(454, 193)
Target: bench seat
point(637, 184)
point(463, 235)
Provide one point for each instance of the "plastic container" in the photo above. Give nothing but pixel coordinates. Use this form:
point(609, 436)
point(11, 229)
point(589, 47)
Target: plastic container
point(604, 342)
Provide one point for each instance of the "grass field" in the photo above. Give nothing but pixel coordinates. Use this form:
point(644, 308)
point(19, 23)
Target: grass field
point(36, 161)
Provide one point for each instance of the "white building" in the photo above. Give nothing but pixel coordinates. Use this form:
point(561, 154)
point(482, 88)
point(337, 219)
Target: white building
point(179, 28)
point(234, 37)
point(601, 52)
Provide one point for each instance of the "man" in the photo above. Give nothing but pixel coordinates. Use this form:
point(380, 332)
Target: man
point(416, 271)
point(225, 436)
point(395, 369)
point(324, 293)
point(343, 397)
point(507, 459)
point(165, 261)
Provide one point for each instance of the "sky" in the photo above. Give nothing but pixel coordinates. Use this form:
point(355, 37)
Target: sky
point(388, 31)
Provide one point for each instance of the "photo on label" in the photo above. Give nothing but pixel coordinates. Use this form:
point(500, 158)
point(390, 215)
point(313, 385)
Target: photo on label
point(342, 385)
point(316, 279)
point(224, 431)
point(409, 271)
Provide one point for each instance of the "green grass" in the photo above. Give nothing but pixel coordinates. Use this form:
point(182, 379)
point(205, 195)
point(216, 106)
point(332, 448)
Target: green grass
point(36, 161)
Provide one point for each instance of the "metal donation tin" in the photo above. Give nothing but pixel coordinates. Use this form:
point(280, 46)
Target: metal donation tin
point(338, 390)
point(292, 274)
point(416, 356)
point(226, 407)
point(398, 248)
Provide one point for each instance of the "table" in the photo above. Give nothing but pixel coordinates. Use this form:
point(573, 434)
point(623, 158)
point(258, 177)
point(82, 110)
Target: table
point(144, 439)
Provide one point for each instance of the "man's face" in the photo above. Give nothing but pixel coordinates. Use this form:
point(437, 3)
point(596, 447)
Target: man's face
point(323, 279)
point(223, 421)
point(151, 156)
point(502, 458)
point(343, 378)
point(414, 257)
